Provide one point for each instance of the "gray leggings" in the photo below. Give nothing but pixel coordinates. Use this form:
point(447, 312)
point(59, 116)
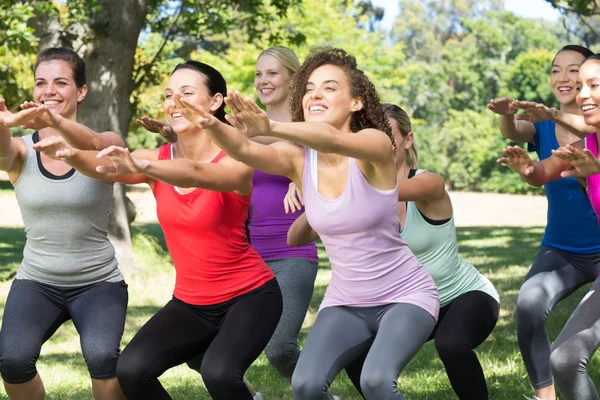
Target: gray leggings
point(555, 274)
point(575, 346)
point(341, 334)
point(296, 278)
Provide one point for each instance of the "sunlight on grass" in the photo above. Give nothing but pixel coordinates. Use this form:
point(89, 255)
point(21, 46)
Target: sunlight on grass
point(503, 254)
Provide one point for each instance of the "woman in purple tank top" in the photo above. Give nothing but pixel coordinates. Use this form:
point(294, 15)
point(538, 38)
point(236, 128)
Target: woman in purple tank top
point(379, 294)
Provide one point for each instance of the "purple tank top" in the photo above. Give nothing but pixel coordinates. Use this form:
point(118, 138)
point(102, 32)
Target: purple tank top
point(371, 264)
point(593, 181)
point(269, 224)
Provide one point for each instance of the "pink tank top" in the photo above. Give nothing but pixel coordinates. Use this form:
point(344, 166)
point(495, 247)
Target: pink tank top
point(370, 263)
point(593, 181)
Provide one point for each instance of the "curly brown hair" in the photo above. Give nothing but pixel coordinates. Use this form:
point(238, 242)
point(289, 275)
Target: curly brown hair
point(372, 114)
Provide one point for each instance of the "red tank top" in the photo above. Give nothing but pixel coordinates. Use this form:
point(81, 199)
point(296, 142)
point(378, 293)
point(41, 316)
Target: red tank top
point(206, 236)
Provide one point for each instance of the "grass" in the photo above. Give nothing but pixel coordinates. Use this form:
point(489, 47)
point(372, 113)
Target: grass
point(503, 254)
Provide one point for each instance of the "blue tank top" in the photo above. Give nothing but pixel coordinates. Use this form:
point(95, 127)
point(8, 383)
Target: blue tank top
point(572, 224)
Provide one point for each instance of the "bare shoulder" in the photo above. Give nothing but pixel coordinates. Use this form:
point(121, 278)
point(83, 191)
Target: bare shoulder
point(113, 138)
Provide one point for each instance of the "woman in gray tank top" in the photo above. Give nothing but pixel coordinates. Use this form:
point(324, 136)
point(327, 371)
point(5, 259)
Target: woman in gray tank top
point(69, 270)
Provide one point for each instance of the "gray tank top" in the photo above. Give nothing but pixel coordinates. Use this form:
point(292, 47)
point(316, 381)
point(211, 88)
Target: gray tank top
point(66, 222)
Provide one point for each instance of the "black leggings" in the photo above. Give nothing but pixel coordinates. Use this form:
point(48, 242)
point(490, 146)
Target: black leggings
point(231, 335)
point(462, 326)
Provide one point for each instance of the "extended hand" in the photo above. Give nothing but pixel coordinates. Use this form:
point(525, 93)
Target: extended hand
point(584, 162)
point(10, 120)
point(44, 120)
point(517, 160)
point(536, 112)
point(54, 147)
point(157, 126)
point(293, 199)
point(502, 106)
point(248, 118)
point(194, 113)
point(122, 161)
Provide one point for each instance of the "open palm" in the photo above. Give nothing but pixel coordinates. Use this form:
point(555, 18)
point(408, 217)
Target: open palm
point(248, 118)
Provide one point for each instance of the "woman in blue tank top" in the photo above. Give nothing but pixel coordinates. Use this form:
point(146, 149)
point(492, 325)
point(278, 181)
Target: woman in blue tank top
point(569, 255)
point(69, 270)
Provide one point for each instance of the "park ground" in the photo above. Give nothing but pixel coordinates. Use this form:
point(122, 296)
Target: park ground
point(497, 233)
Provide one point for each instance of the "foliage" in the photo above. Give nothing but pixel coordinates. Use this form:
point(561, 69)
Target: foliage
point(442, 62)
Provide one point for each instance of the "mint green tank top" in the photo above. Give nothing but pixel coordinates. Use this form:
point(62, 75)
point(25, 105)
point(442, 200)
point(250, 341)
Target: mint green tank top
point(437, 249)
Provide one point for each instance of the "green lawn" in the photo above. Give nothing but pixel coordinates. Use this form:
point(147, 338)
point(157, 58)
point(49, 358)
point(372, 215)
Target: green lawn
point(503, 254)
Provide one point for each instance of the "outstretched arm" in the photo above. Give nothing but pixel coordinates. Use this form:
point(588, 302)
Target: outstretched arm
point(279, 158)
point(77, 135)
point(510, 127)
point(536, 173)
point(301, 233)
point(226, 176)
point(583, 161)
point(538, 112)
point(12, 149)
point(87, 161)
point(369, 145)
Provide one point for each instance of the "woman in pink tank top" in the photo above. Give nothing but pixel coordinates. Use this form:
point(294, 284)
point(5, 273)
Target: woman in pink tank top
point(379, 294)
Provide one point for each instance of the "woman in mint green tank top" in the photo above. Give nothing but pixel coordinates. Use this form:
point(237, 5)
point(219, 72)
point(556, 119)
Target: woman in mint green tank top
point(469, 304)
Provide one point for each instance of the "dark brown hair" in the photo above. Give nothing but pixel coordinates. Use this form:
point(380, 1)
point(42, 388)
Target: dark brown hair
point(371, 115)
point(75, 62)
point(402, 121)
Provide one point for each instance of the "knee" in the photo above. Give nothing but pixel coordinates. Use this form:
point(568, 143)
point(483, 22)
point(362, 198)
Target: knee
point(306, 385)
point(17, 368)
point(531, 304)
point(101, 362)
point(218, 375)
point(133, 368)
point(450, 346)
point(378, 384)
point(283, 357)
point(567, 361)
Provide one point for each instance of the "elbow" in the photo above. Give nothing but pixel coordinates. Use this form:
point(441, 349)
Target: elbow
point(292, 240)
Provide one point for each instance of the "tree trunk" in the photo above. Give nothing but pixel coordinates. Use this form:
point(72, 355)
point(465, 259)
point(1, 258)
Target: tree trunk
point(107, 41)
point(109, 54)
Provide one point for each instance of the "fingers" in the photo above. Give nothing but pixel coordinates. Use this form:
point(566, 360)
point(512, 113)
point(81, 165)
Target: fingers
point(502, 160)
point(112, 150)
point(571, 173)
point(231, 102)
point(234, 122)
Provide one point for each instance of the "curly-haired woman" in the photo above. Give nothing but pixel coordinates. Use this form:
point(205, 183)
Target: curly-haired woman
point(379, 294)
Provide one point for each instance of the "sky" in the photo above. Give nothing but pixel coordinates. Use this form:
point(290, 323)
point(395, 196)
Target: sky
point(524, 8)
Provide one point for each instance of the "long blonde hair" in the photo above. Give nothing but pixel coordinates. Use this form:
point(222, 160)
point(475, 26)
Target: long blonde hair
point(287, 57)
point(402, 121)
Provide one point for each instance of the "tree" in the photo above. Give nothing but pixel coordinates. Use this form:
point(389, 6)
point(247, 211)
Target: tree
point(106, 33)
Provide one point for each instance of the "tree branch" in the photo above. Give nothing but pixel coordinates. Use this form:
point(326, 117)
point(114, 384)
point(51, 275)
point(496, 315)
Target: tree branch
point(137, 80)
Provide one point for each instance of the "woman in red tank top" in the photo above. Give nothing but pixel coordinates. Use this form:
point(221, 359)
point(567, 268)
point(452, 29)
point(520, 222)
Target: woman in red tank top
point(223, 287)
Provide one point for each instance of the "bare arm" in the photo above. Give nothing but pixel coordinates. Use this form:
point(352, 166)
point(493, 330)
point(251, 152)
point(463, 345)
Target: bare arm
point(538, 112)
point(536, 173)
point(370, 145)
point(87, 161)
point(301, 233)
point(426, 186)
point(12, 149)
point(279, 158)
point(77, 135)
point(510, 127)
point(226, 176)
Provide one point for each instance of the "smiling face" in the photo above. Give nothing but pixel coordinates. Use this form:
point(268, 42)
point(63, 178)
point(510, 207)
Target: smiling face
point(271, 80)
point(56, 88)
point(563, 78)
point(327, 97)
point(589, 95)
point(191, 84)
